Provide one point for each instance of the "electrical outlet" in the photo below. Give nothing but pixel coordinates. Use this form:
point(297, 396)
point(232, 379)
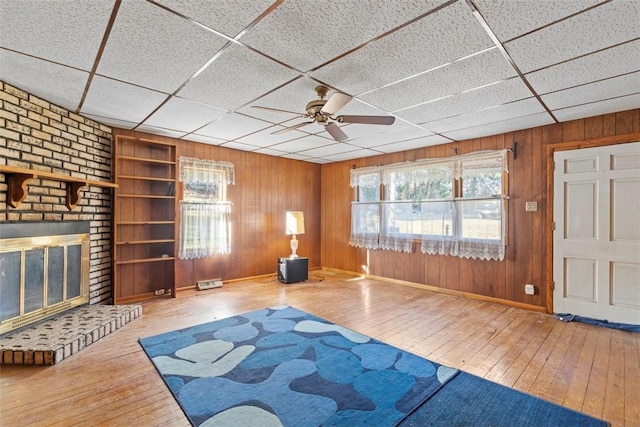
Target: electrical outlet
point(159, 292)
point(531, 207)
point(529, 289)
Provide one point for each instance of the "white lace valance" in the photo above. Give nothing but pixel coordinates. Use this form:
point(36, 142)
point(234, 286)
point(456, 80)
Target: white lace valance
point(365, 177)
point(374, 175)
point(494, 159)
point(197, 171)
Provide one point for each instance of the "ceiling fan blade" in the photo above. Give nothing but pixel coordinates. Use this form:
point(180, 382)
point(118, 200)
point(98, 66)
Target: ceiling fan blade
point(290, 128)
point(335, 102)
point(369, 120)
point(335, 131)
point(277, 110)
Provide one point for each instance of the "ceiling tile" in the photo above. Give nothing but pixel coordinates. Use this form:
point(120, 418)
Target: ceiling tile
point(475, 99)
point(57, 84)
point(270, 152)
point(358, 131)
point(412, 144)
point(356, 154)
point(328, 150)
point(599, 28)
point(161, 131)
point(204, 139)
point(266, 138)
point(232, 126)
point(409, 132)
point(604, 89)
point(496, 128)
point(67, 32)
point(184, 115)
point(475, 71)
point(317, 160)
point(607, 63)
point(493, 114)
point(598, 108)
point(512, 18)
point(239, 146)
point(235, 78)
point(109, 121)
point(305, 143)
point(404, 53)
point(340, 26)
point(159, 60)
point(117, 100)
point(226, 17)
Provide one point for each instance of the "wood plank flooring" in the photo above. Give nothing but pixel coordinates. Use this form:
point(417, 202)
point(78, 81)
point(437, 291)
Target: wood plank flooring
point(112, 383)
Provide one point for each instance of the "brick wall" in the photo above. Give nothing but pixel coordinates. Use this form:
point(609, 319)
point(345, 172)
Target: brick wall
point(38, 135)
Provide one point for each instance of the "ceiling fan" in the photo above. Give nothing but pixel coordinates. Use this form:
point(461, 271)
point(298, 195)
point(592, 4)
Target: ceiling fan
point(322, 111)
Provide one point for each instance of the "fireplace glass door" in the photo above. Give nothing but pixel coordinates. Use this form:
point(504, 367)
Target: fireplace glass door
point(38, 279)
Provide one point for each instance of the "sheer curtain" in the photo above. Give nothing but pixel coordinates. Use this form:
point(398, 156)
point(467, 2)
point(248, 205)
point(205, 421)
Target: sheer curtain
point(365, 212)
point(454, 205)
point(205, 229)
point(471, 239)
point(205, 215)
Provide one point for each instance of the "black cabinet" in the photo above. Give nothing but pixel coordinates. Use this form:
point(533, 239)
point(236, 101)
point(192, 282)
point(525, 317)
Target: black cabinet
point(292, 270)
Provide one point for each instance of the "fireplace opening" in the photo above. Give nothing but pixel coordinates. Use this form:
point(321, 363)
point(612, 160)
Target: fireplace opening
point(44, 270)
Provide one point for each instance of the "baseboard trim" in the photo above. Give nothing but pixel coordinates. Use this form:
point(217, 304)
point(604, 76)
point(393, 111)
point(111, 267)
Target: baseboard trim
point(431, 288)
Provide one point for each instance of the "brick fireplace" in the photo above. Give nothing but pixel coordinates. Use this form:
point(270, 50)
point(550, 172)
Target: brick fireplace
point(40, 136)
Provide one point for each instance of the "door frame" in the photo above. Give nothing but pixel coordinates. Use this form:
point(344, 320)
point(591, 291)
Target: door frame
point(551, 149)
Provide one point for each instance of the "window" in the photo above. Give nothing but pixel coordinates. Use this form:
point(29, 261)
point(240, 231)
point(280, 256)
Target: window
point(205, 214)
point(365, 211)
point(453, 205)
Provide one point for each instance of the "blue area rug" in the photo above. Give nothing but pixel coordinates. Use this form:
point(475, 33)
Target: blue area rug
point(468, 400)
point(283, 367)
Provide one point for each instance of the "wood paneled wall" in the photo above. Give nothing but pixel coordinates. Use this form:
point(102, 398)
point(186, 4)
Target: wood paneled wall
point(526, 258)
point(266, 187)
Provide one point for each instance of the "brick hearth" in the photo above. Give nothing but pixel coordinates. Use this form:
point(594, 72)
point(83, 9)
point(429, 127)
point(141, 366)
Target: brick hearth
point(52, 340)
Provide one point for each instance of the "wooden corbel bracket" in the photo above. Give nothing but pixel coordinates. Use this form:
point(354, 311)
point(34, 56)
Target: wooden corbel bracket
point(17, 188)
point(73, 194)
point(18, 181)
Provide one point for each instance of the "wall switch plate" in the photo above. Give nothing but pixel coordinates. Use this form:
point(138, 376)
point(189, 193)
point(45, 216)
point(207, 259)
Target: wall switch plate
point(529, 289)
point(531, 207)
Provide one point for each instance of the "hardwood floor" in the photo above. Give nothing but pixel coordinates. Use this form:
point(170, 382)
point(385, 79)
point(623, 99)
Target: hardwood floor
point(112, 383)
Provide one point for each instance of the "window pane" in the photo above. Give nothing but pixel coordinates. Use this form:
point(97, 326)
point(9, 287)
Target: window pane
point(426, 183)
point(398, 218)
point(436, 218)
point(481, 219)
point(481, 182)
point(368, 194)
point(365, 218)
point(434, 183)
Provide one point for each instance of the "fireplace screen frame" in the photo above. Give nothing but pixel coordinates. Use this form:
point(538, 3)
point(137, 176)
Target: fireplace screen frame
point(25, 244)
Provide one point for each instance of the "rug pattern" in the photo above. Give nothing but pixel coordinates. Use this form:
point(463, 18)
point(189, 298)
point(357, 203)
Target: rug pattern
point(284, 367)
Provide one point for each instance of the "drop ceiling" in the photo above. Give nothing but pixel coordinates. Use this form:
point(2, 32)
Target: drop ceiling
point(446, 70)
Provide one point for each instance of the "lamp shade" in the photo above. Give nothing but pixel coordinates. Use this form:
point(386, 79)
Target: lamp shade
point(295, 222)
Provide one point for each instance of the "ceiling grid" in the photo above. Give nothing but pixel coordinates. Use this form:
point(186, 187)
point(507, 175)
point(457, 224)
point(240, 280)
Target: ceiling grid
point(446, 70)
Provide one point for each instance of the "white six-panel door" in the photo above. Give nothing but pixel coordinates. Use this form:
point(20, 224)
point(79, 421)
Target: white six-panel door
point(596, 242)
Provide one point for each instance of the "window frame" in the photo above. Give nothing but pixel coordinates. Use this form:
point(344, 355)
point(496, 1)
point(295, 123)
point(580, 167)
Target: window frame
point(496, 160)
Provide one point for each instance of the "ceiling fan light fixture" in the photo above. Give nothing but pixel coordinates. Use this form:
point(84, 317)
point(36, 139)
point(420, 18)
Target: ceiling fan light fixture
point(321, 111)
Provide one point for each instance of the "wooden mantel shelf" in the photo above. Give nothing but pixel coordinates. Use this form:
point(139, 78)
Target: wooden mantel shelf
point(18, 179)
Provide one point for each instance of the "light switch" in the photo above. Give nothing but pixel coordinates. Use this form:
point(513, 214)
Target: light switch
point(531, 206)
